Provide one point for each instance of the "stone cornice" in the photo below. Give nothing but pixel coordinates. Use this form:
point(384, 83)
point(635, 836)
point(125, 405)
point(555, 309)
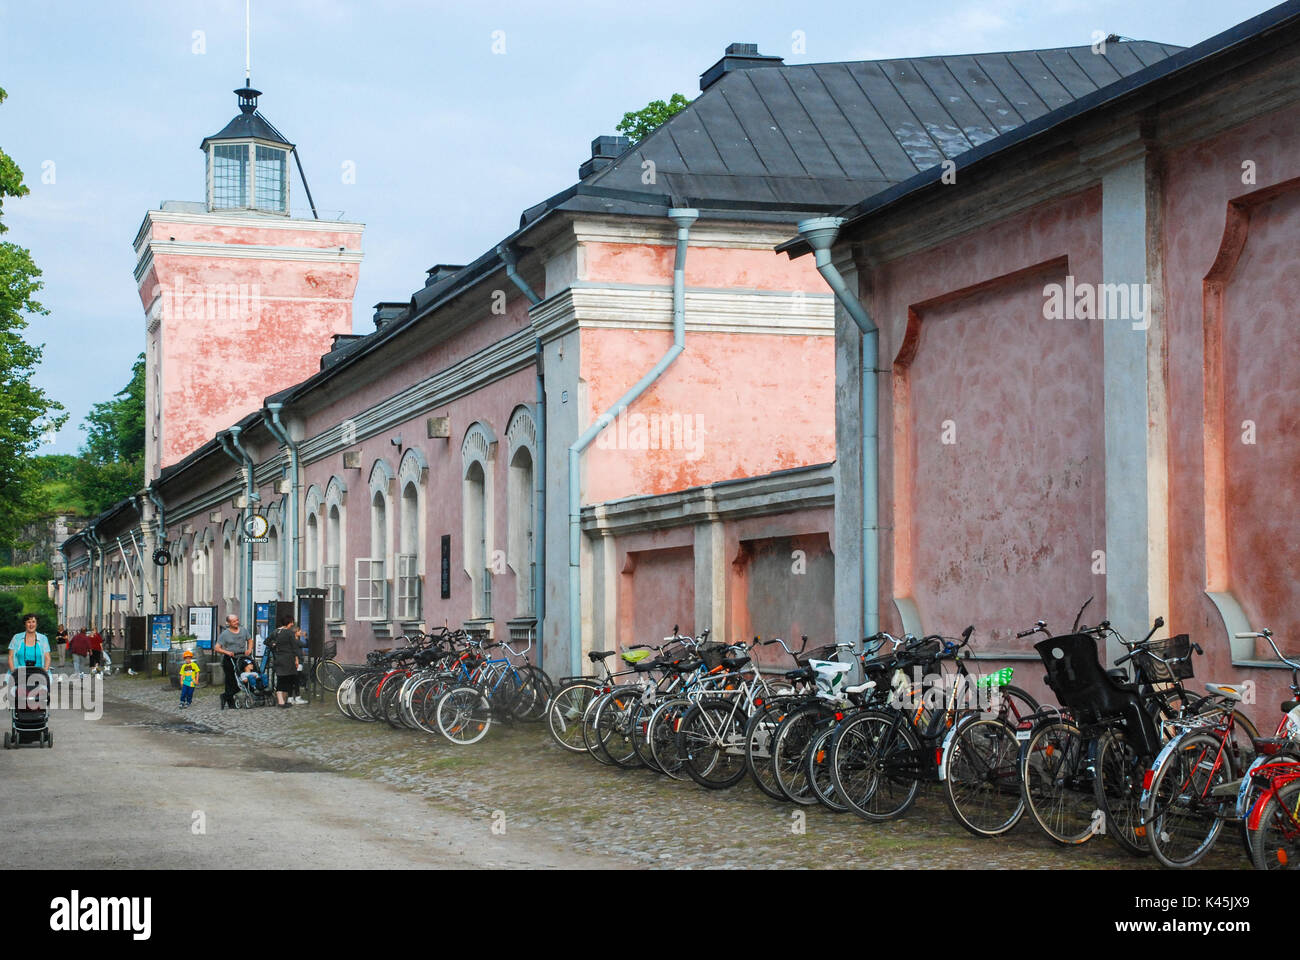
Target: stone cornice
point(637, 307)
point(240, 251)
point(784, 492)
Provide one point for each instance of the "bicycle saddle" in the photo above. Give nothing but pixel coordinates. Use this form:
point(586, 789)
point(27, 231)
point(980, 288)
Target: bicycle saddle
point(1224, 690)
point(1290, 705)
point(803, 673)
point(598, 655)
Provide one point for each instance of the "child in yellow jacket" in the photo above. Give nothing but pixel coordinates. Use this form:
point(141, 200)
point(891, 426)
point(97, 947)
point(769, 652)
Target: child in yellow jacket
point(189, 677)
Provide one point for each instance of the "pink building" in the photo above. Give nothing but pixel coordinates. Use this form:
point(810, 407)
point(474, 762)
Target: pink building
point(1085, 377)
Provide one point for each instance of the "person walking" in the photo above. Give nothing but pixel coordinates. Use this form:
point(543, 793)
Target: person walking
point(231, 642)
point(79, 647)
point(189, 678)
point(287, 662)
point(96, 652)
point(29, 648)
point(61, 638)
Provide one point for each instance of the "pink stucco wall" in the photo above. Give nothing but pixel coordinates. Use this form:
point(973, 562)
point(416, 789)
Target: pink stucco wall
point(708, 267)
point(234, 330)
point(755, 402)
point(997, 527)
point(1258, 559)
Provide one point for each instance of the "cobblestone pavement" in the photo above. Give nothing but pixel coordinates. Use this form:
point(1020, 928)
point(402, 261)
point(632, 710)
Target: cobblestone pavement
point(632, 816)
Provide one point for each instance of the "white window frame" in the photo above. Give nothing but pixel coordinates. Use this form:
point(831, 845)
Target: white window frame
point(370, 589)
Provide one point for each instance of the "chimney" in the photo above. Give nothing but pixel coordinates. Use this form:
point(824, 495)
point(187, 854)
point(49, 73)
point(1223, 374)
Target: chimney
point(387, 311)
point(441, 271)
point(604, 151)
point(739, 56)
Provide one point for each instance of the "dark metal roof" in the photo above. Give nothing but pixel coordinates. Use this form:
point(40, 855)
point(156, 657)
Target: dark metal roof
point(249, 123)
point(809, 136)
point(1179, 63)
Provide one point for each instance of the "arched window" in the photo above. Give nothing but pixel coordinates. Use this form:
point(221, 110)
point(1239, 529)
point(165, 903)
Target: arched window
point(373, 570)
point(521, 502)
point(230, 565)
point(309, 575)
point(478, 455)
point(335, 567)
point(412, 475)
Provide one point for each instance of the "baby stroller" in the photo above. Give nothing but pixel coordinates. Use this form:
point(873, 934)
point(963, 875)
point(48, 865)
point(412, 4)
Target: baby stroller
point(29, 711)
point(252, 692)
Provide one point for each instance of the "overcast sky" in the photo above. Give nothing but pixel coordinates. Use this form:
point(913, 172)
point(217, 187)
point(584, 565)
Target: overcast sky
point(450, 140)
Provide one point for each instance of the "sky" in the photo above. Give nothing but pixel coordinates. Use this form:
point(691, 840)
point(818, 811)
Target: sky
point(451, 117)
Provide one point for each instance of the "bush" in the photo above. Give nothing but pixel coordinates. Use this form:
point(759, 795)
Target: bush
point(11, 616)
point(27, 573)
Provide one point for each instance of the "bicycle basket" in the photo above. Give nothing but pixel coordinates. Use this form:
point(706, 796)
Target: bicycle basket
point(712, 653)
point(330, 649)
point(1153, 671)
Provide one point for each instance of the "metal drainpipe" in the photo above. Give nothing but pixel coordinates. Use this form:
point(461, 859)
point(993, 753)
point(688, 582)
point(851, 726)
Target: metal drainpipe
point(230, 443)
point(539, 468)
point(96, 604)
point(282, 434)
point(156, 500)
point(820, 233)
point(683, 217)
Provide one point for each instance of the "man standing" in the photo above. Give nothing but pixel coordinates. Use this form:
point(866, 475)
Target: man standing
point(79, 647)
point(232, 642)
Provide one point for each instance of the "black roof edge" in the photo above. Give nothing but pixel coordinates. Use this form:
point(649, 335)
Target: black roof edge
point(1185, 59)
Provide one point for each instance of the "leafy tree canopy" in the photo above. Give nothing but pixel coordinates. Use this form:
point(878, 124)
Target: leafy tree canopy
point(27, 413)
point(640, 123)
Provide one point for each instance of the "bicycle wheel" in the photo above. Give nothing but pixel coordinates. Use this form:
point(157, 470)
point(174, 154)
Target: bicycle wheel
point(711, 740)
point(875, 764)
point(641, 733)
point(663, 737)
point(564, 715)
point(1118, 792)
point(1056, 783)
point(1275, 842)
point(1252, 788)
point(1182, 812)
point(464, 715)
point(613, 726)
point(421, 699)
point(388, 700)
point(329, 674)
point(345, 696)
point(790, 746)
point(1241, 750)
point(537, 690)
point(981, 778)
point(760, 735)
point(818, 772)
point(589, 738)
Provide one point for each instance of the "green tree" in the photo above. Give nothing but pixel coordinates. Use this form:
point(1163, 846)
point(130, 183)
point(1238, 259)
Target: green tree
point(112, 459)
point(27, 413)
point(641, 123)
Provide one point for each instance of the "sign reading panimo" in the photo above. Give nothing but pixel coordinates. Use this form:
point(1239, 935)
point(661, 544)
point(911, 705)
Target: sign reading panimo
point(203, 624)
point(160, 632)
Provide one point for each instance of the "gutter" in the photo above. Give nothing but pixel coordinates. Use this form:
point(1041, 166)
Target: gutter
point(281, 433)
point(156, 500)
point(820, 234)
point(230, 443)
point(508, 257)
point(683, 217)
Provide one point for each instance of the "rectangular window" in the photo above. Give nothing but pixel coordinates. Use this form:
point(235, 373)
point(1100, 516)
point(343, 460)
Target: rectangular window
point(371, 589)
point(230, 175)
point(408, 588)
point(272, 181)
point(334, 594)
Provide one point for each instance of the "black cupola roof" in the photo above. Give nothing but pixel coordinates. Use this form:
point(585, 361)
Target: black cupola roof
point(249, 123)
